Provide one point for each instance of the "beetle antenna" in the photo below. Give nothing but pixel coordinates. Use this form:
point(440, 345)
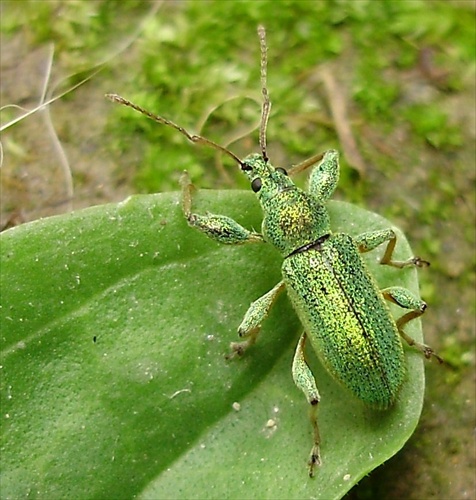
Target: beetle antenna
point(197, 139)
point(264, 90)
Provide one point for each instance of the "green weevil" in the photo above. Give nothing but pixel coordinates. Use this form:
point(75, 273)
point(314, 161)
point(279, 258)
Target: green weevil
point(343, 311)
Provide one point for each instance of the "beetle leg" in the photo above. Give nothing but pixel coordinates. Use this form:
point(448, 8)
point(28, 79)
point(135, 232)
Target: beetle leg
point(404, 298)
point(305, 381)
point(368, 241)
point(251, 324)
point(324, 178)
point(217, 227)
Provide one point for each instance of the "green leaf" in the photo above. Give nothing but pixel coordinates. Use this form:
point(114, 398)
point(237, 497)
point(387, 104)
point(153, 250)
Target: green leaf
point(114, 324)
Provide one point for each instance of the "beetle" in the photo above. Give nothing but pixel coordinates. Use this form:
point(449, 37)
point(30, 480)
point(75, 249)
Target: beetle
point(345, 315)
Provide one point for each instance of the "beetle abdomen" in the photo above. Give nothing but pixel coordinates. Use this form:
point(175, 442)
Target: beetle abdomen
point(347, 319)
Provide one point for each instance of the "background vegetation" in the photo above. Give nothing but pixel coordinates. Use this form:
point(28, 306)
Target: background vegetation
point(404, 73)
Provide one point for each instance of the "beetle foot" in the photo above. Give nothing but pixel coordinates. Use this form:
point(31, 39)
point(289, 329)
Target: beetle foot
point(412, 261)
point(418, 262)
point(237, 350)
point(429, 352)
point(314, 460)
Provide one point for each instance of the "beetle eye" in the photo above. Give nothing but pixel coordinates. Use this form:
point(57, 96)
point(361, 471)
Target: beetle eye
point(256, 184)
point(281, 171)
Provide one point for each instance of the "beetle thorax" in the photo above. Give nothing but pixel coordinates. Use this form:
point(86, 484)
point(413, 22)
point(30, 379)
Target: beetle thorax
point(293, 219)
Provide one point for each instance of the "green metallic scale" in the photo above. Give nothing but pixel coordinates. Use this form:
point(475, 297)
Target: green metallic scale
point(344, 313)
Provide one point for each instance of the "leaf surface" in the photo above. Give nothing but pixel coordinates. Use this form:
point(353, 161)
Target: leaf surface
point(114, 325)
